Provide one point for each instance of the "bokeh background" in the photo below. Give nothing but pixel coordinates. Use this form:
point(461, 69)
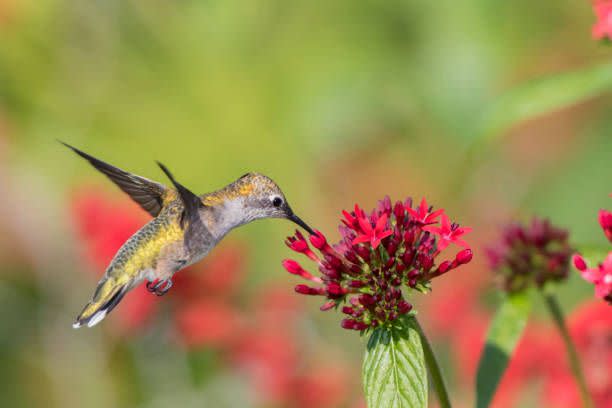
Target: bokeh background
point(340, 102)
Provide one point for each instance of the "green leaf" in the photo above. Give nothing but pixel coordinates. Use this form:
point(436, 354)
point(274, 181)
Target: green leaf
point(503, 336)
point(545, 95)
point(394, 373)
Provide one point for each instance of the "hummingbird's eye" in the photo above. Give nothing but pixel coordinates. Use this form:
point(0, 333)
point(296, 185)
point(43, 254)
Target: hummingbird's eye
point(277, 201)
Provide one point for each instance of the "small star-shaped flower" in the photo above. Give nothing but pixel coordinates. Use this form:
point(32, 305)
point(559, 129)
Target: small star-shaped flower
point(448, 233)
point(375, 234)
point(422, 214)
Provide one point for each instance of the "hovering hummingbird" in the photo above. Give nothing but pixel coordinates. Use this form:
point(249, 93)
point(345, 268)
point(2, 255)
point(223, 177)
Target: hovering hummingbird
point(185, 228)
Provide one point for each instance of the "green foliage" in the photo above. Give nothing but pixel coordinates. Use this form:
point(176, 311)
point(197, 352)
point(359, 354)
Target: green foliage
point(201, 363)
point(502, 338)
point(544, 95)
point(394, 373)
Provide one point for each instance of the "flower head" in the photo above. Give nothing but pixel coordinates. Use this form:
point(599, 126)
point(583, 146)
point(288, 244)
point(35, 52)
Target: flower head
point(603, 27)
point(381, 254)
point(600, 276)
point(536, 253)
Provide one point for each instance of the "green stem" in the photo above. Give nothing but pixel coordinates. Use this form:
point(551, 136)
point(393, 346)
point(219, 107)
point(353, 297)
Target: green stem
point(434, 369)
point(557, 315)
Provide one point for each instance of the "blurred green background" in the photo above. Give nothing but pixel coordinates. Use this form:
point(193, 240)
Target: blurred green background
point(340, 102)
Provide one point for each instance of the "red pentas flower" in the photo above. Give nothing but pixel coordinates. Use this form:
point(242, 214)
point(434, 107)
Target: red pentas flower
point(381, 254)
point(530, 254)
point(603, 26)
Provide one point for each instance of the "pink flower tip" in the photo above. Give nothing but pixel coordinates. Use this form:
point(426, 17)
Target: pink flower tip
point(292, 267)
point(464, 256)
point(318, 240)
point(579, 262)
point(330, 304)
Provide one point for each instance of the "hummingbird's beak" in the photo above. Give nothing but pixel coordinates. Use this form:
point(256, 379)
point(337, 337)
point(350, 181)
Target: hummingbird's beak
point(301, 223)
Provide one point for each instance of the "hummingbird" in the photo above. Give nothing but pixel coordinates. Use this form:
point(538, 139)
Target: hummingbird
point(184, 229)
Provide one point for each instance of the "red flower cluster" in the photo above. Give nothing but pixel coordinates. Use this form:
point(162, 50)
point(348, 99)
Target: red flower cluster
point(603, 27)
point(380, 253)
point(537, 253)
point(600, 276)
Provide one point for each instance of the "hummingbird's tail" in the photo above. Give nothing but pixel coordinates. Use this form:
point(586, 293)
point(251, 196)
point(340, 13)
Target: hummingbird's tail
point(108, 294)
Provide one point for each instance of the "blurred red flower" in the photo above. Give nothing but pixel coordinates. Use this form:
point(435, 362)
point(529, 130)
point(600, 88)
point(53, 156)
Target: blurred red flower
point(325, 386)
point(268, 358)
point(540, 359)
point(270, 355)
point(603, 26)
point(528, 254)
point(591, 329)
point(205, 322)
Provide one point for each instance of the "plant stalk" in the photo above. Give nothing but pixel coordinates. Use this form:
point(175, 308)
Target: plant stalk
point(557, 315)
point(433, 368)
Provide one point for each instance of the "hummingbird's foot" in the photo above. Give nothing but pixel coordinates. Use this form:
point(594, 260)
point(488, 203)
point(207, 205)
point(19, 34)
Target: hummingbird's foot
point(159, 287)
point(151, 285)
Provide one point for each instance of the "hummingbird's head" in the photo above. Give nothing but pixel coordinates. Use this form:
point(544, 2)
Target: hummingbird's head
point(263, 198)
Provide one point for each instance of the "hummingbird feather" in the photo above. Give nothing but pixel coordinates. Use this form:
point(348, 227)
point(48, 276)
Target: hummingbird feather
point(149, 194)
point(190, 219)
point(108, 295)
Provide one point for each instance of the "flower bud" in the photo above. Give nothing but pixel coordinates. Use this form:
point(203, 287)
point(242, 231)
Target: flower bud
point(318, 240)
point(464, 256)
point(579, 262)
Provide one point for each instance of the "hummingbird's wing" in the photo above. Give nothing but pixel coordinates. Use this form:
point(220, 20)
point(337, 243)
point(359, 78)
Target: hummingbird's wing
point(147, 193)
point(190, 219)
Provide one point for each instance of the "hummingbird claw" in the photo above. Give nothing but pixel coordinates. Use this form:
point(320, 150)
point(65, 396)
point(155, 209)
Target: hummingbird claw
point(152, 285)
point(163, 287)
